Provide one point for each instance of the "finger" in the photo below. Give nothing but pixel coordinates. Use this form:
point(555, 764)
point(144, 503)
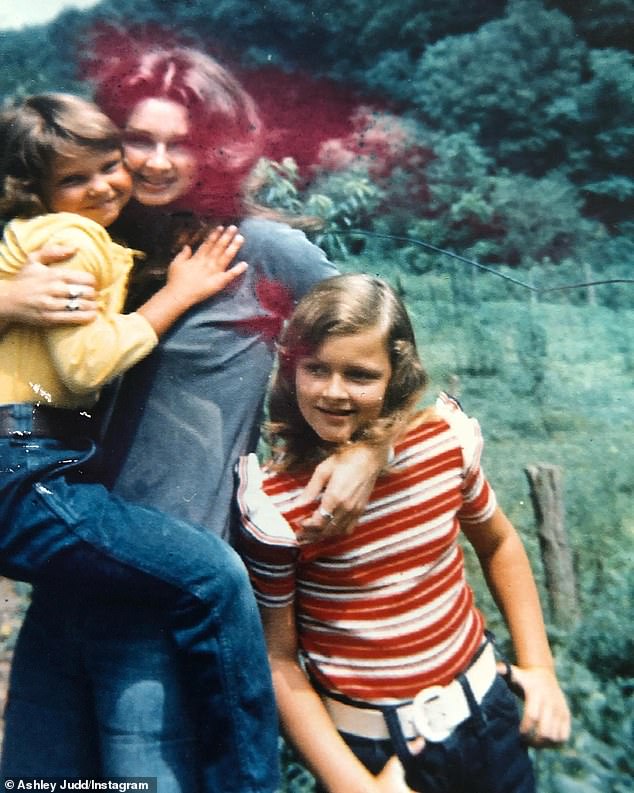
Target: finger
point(69, 318)
point(316, 484)
point(71, 305)
point(227, 252)
point(52, 254)
point(81, 293)
point(211, 239)
point(217, 241)
point(76, 278)
point(228, 276)
point(182, 256)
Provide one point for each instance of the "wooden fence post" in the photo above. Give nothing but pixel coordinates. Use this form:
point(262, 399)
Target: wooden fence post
point(548, 504)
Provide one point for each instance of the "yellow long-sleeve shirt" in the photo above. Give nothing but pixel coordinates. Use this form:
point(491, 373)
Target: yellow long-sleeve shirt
point(67, 366)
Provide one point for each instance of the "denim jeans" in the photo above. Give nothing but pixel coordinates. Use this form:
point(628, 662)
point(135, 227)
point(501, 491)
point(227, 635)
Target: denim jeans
point(484, 754)
point(96, 687)
point(60, 527)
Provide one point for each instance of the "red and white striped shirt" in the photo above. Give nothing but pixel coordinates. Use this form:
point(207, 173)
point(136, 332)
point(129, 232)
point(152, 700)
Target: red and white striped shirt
point(385, 611)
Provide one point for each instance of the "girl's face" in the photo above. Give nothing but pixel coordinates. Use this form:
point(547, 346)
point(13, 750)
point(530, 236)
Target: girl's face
point(158, 153)
point(95, 185)
point(341, 387)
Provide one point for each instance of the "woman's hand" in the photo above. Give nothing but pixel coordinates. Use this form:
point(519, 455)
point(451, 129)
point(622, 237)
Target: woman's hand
point(43, 296)
point(546, 718)
point(194, 277)
point(345, 481)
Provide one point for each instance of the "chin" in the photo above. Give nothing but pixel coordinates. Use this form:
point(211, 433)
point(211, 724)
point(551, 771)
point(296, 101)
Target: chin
point(335, 437)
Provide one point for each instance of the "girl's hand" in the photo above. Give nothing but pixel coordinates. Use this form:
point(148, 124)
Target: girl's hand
point(392, 778)
point(193, 277)
point(43, 296)
point(200, 275)
point(546, 719)
point(345, 481)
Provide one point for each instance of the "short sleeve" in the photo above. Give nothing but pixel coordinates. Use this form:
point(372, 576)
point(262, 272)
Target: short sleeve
point(479, 500)
point(265, 540)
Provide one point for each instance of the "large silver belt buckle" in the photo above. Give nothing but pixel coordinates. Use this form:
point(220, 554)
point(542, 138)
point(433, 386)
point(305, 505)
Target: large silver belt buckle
point(431, 719)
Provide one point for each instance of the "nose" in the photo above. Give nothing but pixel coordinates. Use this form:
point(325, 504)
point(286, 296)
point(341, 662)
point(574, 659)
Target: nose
point(99, 186)
point(335, 387)
point(159, 158)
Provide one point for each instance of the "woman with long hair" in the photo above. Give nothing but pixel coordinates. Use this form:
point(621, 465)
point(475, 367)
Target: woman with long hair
point(112, 685)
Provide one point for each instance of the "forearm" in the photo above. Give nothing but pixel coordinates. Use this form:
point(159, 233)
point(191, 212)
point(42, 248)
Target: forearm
point(311, 730)
point(6, 306)
point(88, 357)
point(546, 717)
point(164, 308)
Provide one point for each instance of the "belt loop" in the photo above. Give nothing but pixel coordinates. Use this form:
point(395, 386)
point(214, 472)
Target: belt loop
point(390, 714)
point(476, 711)
point(22, 416)
point(479, 720)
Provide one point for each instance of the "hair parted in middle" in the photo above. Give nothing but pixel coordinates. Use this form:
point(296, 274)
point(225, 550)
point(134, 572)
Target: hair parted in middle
point(342, 306)
point(226, 130)
point(33, 133)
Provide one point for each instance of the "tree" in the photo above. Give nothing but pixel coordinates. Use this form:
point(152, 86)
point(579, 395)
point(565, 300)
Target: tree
point(499, 83)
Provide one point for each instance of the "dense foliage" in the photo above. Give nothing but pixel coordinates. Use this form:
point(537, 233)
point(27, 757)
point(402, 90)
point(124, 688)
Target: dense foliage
point(501, 132)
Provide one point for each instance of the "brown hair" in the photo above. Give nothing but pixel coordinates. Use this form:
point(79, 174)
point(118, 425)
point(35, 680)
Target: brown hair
point(340, 306)
point(36, 131)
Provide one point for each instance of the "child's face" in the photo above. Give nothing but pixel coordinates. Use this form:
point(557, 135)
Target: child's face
point(341, 386)
point(95, 185)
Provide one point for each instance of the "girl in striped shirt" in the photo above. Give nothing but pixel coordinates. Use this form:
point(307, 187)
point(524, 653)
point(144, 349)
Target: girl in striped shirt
point(378, 652)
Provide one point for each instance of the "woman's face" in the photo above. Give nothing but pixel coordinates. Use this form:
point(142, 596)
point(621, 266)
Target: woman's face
point(158, 153)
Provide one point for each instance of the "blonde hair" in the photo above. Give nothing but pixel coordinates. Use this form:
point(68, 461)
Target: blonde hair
point(33, 134)
point(341, 306)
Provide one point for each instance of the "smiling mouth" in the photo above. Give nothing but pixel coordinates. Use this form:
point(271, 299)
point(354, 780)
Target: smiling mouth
point(151, 184)
point(106, 202)
point(335, 412)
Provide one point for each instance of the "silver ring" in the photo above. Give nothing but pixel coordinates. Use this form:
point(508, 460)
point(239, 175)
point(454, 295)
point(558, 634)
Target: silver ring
point(325, 514)
point(72, 304)
point(74, 292)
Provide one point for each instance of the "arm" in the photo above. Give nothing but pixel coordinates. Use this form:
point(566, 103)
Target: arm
point(38, 295)
point(194, 277)
point(344, 481)
point(507, 570)
point(88, 357)
point(307, 723)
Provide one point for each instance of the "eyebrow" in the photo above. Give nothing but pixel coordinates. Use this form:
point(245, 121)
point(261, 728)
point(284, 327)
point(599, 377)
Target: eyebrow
point(146, 133)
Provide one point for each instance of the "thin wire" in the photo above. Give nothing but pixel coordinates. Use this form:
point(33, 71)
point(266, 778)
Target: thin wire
point(479, 266)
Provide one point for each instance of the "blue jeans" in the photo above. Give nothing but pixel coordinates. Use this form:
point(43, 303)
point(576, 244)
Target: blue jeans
point(60, 527)
point(484, 754)
point(96, 687)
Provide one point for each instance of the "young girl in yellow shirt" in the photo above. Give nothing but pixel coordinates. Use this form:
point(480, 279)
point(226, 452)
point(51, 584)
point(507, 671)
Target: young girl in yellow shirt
point(63, 181)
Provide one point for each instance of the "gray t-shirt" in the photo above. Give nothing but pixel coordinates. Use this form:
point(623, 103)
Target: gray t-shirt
point(185, 414)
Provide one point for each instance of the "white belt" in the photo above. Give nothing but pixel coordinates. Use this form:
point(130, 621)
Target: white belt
point(434, 713)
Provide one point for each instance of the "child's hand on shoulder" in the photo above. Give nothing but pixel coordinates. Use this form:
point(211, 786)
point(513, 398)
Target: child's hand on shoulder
point(546, 719)
point(202, 274)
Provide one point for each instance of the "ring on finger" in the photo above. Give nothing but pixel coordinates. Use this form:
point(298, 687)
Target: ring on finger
point(72, 304)
point(74, 292)
point(325, 514)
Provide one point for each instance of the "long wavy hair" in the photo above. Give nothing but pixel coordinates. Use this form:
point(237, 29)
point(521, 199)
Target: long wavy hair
point(342, 306)
point(127, 67)
point(35, 131)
